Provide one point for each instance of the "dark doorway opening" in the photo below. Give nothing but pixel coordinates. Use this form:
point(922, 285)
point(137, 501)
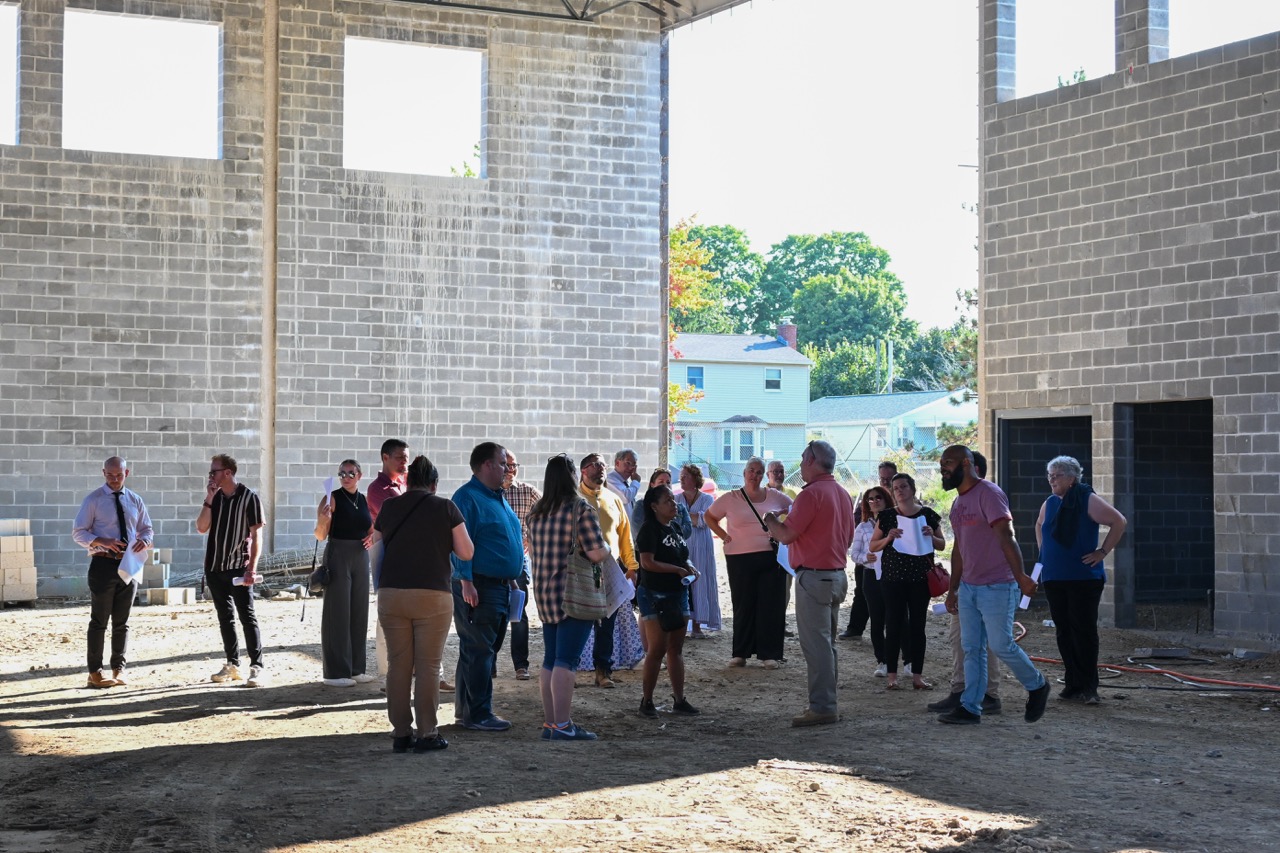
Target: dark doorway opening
point(1172, 522)
point(1026, 446)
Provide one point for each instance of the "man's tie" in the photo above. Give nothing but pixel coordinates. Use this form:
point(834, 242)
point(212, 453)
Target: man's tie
point(124, 528)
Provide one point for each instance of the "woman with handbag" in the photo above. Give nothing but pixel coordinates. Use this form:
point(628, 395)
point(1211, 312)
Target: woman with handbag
point(415, 601)
point(874, 500)
point(663, 597)
point(757, 584)
point(343, 518)
point(904, 580)
point(564, 540)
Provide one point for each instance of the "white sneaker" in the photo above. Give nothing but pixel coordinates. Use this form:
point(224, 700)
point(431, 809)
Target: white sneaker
point(882, 671)
point(258, 677)
point(340, 682)
point(364, 678)
point(229, 672)
point(906, 669)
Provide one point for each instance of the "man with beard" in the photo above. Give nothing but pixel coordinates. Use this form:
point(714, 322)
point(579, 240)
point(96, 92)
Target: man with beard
point(987, 579)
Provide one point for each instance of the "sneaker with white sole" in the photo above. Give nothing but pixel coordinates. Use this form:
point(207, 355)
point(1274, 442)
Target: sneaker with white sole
point(258, 677)
point(229, 672)
point(364, 678)
point(882, 671)
point(340, 682)
point(906, 669)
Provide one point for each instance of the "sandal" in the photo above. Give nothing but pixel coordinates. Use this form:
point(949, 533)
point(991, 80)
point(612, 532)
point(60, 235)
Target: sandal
point(922, 685)
point(894, 686)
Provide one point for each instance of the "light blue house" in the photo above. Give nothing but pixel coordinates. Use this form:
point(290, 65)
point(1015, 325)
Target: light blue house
point(755, 403)
point(866, 428)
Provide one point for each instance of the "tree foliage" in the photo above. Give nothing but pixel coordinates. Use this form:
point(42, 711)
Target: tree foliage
point(738, 276)
point(848, 308)
point(841, 370)
point(801, 257)
point(690, 289)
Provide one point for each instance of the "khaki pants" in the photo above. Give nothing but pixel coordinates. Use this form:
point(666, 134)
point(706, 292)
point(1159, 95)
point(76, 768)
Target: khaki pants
point(957, 662)
point(415, 623)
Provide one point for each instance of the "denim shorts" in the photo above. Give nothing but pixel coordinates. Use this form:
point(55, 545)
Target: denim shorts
point(564, 641)
point(646, 598)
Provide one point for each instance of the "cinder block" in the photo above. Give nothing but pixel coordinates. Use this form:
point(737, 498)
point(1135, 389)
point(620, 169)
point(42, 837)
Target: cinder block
point(155, 576)
point(163, 555)
point(68, 587)
point(28, 575)
point(18, 592)
point(15, 527)
point(15, 544)
point(172, 595)
point(17, 560)
point(10, 577)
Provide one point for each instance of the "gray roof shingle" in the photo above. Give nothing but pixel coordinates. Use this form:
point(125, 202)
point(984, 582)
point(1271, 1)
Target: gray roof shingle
point(872, 407)
point(737, 349)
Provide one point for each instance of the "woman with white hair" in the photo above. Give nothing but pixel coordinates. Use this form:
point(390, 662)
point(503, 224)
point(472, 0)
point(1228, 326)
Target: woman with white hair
point(1074, 574)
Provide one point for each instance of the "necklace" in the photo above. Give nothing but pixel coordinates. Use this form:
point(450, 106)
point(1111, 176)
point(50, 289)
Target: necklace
point(355, 502)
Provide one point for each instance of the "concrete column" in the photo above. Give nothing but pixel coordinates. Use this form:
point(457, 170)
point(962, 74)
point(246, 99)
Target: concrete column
point(998, 45)
point(1142, 32)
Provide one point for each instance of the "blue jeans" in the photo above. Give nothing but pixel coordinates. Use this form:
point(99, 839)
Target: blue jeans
point(986, 616)
point(563, 642)
point(478, 629)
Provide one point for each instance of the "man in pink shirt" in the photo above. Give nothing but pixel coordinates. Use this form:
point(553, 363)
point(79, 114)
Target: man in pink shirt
point(987, 578)
point(818, 532)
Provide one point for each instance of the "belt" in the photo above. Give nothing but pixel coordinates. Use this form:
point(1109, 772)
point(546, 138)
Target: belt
point(811, 569)
point(113, 557)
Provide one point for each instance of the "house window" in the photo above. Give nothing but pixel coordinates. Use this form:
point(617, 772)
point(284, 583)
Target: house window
point(881, 436)
point(135, 84)
point(773, 379)
point(728, 445)
point(440, 135)
point(693, 376)
point(746, 444)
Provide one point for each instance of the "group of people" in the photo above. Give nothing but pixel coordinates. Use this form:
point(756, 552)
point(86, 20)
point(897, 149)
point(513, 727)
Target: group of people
point(464, 561)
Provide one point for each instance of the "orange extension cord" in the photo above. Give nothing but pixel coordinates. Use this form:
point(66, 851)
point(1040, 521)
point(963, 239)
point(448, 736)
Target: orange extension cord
point(1275, 688)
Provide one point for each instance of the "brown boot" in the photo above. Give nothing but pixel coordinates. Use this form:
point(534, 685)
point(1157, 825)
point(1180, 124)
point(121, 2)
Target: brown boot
point(100, 681)
point(603, 678)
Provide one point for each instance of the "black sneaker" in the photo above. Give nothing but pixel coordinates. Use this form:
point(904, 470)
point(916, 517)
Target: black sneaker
point(401, 744)
point(1070, 694)
point(682, 706)
point(960, 716)
point(430, 744)
point(1036, 700)
point(647, 709)
point(991, 704)
point(950, 702)
point(1090, 697)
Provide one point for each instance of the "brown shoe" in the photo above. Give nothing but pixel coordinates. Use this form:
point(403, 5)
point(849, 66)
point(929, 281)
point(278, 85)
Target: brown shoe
point(117, 675)
point(603, 679)
point(446, 687)
point(812, 718)
point(100, 681)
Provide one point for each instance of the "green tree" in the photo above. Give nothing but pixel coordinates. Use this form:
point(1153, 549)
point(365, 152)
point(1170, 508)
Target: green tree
point(697, 300)
point(739, 270)
point(844, 307)
point(801, 257)
point(841, 370)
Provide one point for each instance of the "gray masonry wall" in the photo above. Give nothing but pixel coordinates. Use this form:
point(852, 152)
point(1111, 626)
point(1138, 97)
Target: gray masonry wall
point(137, 292)
point(1131, 254)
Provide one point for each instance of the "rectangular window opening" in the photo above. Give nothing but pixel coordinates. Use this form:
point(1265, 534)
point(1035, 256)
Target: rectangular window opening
point(746, 444)
point(773, 379)
point(8, 74)
point(693, 376)
point(137, 84)
point(1063, 44)
point(440, 135)
point(728, 445)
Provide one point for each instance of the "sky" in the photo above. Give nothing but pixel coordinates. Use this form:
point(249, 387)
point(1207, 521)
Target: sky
point(809, 116)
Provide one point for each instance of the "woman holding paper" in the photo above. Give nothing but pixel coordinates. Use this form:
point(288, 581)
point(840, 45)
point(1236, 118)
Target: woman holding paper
point(907, 534)
point(874, 501)
point(1074, 574)
point(757, 584)
point(556, 524)
point(343, 518)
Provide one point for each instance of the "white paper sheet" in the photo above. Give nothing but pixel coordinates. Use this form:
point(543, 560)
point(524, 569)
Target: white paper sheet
point(875, 564)
point(784, 559)
point(131, 564)
point(617, 589)
point(328, 491)
point(1035, 576)
point(912, 541)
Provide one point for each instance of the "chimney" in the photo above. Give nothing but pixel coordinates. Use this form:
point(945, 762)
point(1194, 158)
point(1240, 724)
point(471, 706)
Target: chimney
point(787, 333)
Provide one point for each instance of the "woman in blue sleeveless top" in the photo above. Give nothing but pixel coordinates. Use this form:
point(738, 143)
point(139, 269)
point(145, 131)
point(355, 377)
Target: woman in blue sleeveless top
point(1074, 574)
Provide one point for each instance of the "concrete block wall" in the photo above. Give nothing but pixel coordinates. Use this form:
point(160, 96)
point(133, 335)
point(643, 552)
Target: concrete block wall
point(521, 307)
point(1130, 254)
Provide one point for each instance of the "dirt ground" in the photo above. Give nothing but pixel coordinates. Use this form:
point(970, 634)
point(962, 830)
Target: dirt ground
point(174, 762)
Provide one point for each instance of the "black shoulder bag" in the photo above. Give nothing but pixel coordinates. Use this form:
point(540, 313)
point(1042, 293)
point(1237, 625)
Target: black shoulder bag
point(773, 543)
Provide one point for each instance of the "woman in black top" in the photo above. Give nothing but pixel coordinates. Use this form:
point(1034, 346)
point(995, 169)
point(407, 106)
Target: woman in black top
point(904, 580)
point(664, 562)
point(343, 517)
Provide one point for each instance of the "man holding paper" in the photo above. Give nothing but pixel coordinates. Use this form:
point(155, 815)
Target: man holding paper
point(987, 578)
point(113, 525)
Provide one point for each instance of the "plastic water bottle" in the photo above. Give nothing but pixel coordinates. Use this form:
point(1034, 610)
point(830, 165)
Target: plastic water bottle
point(688, 579)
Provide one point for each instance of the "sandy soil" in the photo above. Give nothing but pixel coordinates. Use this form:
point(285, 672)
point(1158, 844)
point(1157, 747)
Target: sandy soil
point(174, 762)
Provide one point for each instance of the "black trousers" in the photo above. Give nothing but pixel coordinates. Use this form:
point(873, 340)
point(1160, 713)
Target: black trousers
point(110, 598)
point(874, 596)
point(230, 600)
point(1074, 608)
point(519, 625)
point(858, 611)
point(906, 605)
point(758, 590)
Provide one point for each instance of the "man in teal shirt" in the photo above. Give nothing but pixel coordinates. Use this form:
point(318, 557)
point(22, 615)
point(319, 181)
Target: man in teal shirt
point(482, 585)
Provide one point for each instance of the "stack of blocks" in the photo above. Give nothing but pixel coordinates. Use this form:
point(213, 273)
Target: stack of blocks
point(17, 561)
point(155, 588)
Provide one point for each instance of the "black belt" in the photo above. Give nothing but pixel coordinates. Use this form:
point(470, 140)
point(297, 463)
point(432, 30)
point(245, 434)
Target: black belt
point(811, 569)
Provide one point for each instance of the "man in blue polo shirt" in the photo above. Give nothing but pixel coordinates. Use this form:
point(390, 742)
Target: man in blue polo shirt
point(482, 585)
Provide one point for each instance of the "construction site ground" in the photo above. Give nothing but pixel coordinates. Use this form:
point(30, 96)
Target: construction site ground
point(174, 762)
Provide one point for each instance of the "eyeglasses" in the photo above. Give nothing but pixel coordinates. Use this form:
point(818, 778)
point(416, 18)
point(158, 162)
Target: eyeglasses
point(216, 471)
point(1057, 475)
point(871, 498)
point(513, 466)
point(348, 475)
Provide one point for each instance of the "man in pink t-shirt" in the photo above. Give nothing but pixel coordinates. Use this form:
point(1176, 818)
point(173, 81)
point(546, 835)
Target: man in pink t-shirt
point(818, 532)
point(987, 579)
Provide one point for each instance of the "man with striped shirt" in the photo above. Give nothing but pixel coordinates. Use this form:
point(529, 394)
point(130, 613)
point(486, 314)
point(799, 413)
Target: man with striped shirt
point(232, 518)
